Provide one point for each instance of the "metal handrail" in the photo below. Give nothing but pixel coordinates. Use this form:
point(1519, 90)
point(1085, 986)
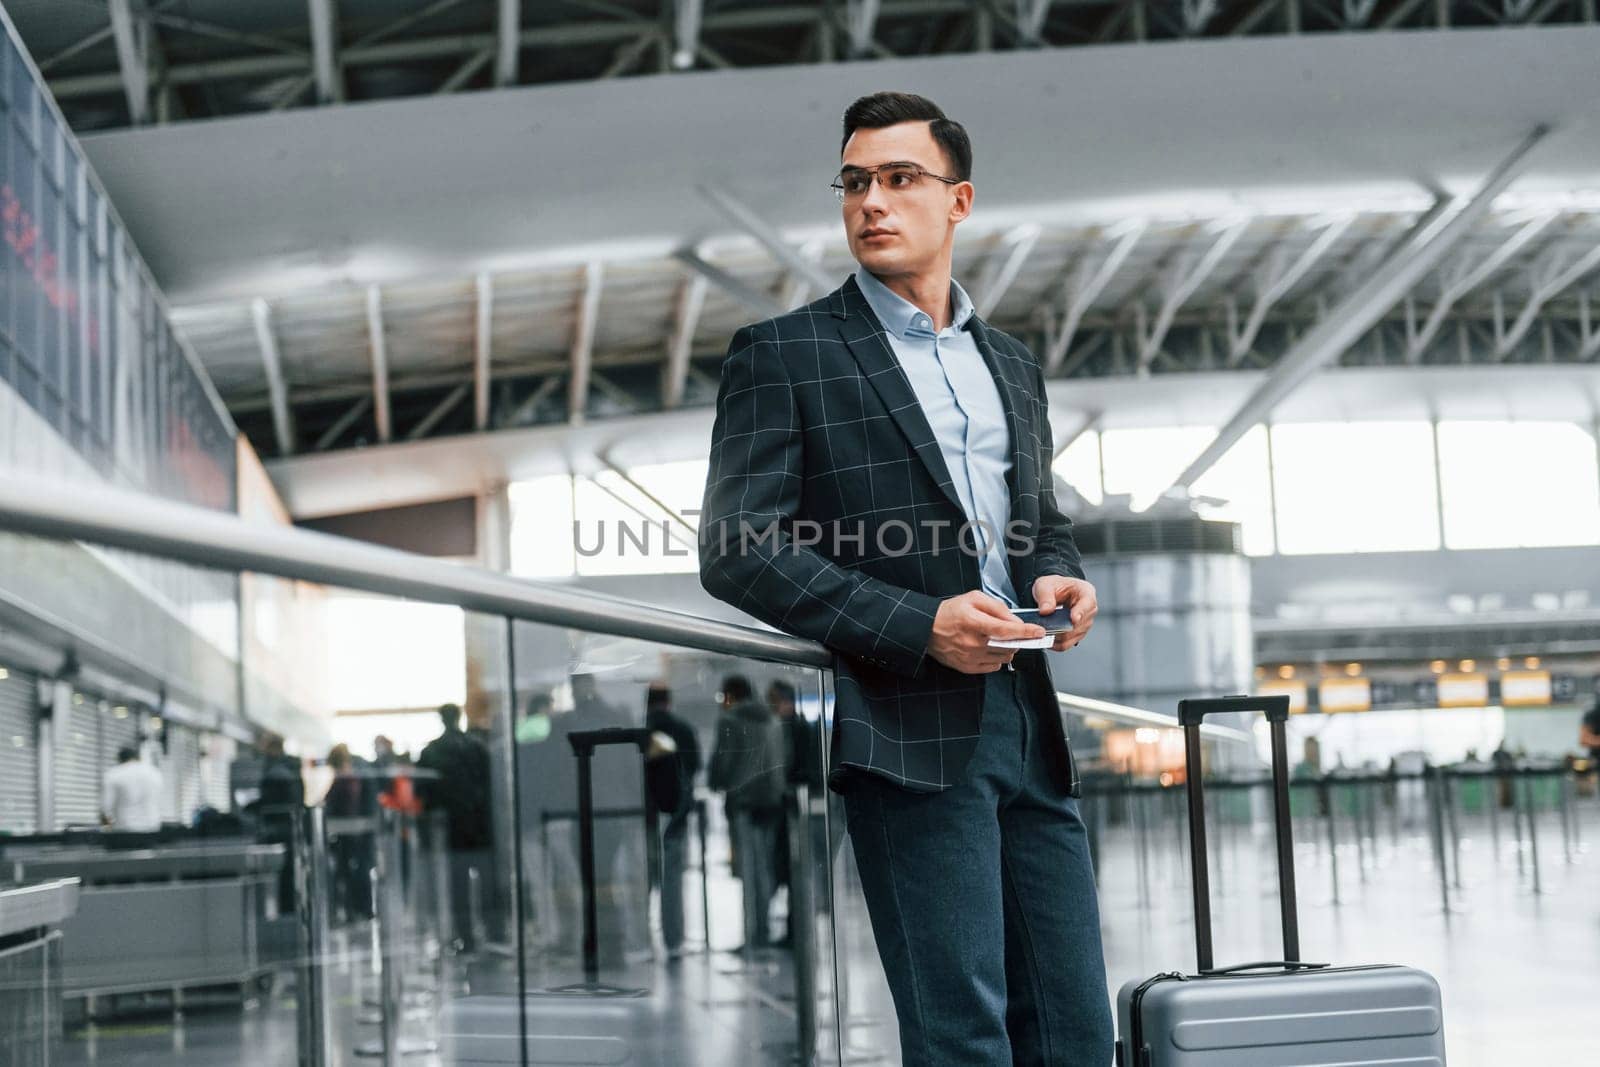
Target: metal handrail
point(153, 526)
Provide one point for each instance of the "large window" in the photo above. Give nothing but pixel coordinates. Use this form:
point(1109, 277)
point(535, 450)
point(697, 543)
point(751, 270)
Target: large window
point(1079, 466)
point(1145, 461)
point(541, 527)
point(1355, 487)
point(1518, 484)
point(1239, 489)
point(392, 654)
point(621, 526)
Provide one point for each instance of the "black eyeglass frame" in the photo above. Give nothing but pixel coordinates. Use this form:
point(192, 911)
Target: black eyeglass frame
point(922, 172)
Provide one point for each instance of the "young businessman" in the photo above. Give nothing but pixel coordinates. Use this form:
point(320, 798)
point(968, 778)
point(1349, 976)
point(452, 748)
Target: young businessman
point(880, 482)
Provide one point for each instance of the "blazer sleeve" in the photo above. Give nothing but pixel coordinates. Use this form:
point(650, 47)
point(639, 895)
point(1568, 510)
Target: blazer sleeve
point(748, 555)
point(1054, 550)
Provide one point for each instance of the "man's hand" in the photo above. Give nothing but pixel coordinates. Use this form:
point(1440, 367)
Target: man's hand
point(963, 626)
point(1054, 592)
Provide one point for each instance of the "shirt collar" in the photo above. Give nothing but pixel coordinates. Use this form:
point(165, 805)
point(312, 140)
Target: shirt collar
point(903, 318)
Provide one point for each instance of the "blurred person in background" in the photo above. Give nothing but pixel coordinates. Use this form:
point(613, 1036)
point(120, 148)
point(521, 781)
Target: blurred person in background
point(282, 800)
point(750, 766)
point(132, 794)
point(1589, 731)
point(671, 765)
point(456, 782)
point(780, 698)
point(352, 795)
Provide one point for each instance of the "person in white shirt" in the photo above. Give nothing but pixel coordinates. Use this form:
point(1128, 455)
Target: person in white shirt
point(132, 794)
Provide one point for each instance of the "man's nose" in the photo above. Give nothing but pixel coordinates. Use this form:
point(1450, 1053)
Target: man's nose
point(874, 199)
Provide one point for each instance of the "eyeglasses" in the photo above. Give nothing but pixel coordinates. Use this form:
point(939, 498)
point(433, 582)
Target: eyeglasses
point(853, 182)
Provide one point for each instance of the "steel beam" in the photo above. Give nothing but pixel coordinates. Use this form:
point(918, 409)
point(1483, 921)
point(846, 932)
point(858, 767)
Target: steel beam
point(482, 344)
point(1085, 287)
point(267, 342)
point(379, 348)
point(862, 19)
point(1004, 266)
point(532, 400)
point(465, 72)
point(767, 236)
point(675, 374)
point(370, 51)
point(1031, 16)
point(1090, 421)
point(627, 54)
point(1357, 313)
point(1588, 335)
point(324, 42)
point(440, 410)
point(1544, 289)
point(686, 17)
point(582, 355)
point(508, 43)
point(1187, 275)
point(639, 488)
point(343, 423)
point(799, 287)
point(1466, 281)
point(131, 30)
point(1281, 283)
point(745, 293)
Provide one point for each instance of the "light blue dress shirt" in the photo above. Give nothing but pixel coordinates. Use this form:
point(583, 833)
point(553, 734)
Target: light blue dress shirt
point(962, 404)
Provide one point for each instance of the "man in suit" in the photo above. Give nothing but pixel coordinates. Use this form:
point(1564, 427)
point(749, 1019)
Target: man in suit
point(880, 482)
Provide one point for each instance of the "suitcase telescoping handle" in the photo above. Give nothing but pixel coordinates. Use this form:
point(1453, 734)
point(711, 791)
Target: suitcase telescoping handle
point(1190, 714)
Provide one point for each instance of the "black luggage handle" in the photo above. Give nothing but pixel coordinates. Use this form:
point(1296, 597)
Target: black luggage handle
point(1275, 708)
point(1190, 715)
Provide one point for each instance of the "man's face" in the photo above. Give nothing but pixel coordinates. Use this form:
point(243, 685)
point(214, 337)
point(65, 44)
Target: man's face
point(904, 231)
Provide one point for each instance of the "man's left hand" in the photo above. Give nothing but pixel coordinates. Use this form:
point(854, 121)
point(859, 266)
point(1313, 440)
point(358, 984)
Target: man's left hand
point(1054, 592)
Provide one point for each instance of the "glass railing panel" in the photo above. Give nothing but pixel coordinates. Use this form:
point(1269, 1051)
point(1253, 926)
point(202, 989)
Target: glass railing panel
point(675, 911)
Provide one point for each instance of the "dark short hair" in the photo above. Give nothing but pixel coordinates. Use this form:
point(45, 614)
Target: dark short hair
point(657, 698)
point(879, 110)
point(782, 690)
point(450, 713)
point(737, 687)
point(127, 754)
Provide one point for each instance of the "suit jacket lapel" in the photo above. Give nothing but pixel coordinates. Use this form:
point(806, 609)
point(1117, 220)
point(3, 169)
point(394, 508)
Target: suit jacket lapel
point(864, 336)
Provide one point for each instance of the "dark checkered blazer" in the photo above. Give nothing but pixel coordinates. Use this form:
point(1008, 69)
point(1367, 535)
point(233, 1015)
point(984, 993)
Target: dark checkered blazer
point(817, 423)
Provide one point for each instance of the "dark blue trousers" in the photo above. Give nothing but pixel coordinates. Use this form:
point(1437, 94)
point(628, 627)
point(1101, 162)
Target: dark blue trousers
point(982, 902)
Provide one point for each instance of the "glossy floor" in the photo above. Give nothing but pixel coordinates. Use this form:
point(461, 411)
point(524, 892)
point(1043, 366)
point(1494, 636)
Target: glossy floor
point(1519, 967)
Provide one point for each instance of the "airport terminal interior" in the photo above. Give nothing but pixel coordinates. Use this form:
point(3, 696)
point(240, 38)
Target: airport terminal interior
point(361, 701)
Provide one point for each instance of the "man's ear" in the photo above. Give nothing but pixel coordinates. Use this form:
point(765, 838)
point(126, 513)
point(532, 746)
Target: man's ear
point(962, 207)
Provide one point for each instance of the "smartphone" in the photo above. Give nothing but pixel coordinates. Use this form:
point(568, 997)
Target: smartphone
point(1058, 621)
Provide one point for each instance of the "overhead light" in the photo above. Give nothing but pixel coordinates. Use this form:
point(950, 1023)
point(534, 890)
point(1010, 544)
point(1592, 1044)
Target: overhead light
point(1437, 666)
point(4, 674)
point(1468, 666)
point(1503, 663)
point(1352, 669)
point(1532, 663)
point(119, 712)
point(77, 699)
point(1286, 671)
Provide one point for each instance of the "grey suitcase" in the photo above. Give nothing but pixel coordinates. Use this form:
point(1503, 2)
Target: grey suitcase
point(1282, 1013)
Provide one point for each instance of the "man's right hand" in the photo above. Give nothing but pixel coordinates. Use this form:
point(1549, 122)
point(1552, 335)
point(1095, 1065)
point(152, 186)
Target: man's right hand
point(962, 628)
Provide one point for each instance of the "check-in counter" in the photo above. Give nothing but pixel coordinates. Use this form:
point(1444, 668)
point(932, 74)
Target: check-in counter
point(172, 917)
point(31, 917)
